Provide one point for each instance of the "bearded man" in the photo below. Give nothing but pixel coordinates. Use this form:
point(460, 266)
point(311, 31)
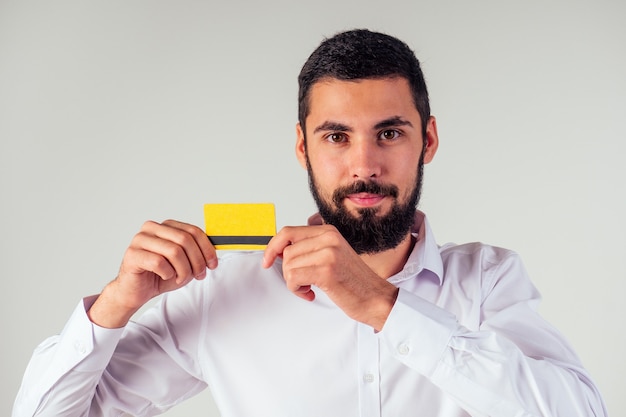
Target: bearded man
point(384, 322)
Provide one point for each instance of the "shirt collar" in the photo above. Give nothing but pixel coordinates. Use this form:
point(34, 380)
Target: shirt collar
point(424, 259)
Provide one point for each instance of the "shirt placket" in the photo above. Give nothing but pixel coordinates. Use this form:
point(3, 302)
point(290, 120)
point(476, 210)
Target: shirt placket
point(368, 372)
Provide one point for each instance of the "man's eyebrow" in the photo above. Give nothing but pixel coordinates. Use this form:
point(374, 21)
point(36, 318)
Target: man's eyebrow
point(330, 125)
point(391, 122)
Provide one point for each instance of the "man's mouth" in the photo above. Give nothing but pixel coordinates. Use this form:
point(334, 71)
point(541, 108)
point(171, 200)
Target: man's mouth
point(364, 194)
point(366, 199)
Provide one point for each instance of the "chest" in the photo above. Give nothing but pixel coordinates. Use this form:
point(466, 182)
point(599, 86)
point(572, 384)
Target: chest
point(279, 355)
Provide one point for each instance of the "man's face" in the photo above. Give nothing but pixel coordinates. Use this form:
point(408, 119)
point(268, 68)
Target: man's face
point(364, 150)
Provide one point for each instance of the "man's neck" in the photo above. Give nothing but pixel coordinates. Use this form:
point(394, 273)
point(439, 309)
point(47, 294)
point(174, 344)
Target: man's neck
point(390, 262)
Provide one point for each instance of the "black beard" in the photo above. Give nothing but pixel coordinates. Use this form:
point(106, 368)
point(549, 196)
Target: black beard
point(369, 233)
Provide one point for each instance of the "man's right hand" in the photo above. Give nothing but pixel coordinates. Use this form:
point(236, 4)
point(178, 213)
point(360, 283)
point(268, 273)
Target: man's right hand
point(162, 257)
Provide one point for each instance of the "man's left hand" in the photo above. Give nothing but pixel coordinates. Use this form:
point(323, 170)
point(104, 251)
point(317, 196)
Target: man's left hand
point(319, 256)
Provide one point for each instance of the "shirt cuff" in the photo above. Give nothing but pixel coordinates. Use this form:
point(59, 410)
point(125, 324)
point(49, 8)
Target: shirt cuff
point(86, 346)
point(417, 332)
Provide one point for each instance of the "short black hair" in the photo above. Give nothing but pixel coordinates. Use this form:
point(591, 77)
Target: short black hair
point(363, 54)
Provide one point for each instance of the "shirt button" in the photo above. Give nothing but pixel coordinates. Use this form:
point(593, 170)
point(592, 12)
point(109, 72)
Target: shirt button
point(404, 349)
point(368, 378)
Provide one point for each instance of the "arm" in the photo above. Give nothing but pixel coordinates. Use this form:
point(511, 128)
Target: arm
point(69, 372)
point(81, 348)
point(512, 363)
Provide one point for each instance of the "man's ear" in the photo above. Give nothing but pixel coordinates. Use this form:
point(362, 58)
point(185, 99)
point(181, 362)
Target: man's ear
point(432, 140)
point(300, 146)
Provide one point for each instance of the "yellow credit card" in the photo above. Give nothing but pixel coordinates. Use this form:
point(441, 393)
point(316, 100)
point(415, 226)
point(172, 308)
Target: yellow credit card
point(240, 226)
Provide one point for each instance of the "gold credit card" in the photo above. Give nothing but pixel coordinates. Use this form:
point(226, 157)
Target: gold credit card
point(240, 226)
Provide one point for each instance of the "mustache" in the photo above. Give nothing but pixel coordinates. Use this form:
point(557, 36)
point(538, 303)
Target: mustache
point(342, 193)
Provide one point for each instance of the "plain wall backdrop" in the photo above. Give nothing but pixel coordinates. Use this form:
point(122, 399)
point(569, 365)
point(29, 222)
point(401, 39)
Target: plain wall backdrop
point(113, 113)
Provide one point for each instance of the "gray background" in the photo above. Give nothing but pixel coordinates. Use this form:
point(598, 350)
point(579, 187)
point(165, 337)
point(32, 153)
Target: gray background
point(112, 113)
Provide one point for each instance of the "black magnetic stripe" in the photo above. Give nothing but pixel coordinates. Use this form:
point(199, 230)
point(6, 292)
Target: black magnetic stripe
point(240, 240)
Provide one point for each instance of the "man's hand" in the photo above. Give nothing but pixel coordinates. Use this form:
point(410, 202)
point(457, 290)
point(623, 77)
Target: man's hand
point(162, 257)
point(320, 256)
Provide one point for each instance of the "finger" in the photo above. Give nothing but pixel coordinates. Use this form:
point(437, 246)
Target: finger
point(201, 239)
point(167, 251)
point(276, 246)
point(187, 238)
point(305, 292)
point(137, 261)
point(201, 253)
point(299, 283)
point(285, 237)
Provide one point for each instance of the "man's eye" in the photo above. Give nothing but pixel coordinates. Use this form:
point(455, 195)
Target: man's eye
point(336, 137)
point(389, 134)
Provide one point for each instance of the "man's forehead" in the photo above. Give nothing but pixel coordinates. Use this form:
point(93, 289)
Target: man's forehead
point(399, 86)
point(382, 100)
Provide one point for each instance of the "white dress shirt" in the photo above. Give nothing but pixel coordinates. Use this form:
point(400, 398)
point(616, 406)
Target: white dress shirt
point(463, 339)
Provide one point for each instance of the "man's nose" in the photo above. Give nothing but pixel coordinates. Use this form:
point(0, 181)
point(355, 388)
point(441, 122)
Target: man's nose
point(365, 160)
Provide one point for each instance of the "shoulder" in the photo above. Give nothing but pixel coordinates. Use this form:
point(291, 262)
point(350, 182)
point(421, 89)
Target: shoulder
point(487, 265)
point(478, 253)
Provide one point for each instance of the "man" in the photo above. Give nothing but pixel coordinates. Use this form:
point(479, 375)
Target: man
point(385, 322)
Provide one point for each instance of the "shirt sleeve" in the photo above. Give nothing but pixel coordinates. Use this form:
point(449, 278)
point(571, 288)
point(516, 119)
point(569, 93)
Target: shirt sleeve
point(513, 364)
point(141, 370)
point(82, 349)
